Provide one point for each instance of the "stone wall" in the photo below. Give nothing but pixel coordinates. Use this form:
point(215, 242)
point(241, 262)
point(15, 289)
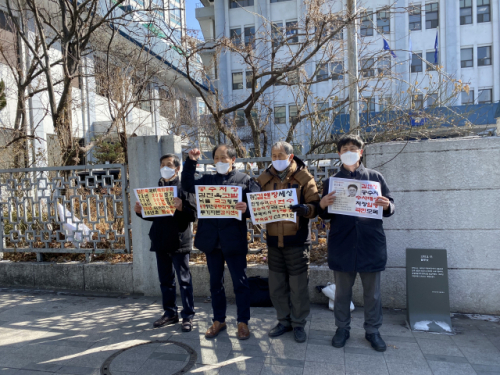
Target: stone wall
point(446, 193)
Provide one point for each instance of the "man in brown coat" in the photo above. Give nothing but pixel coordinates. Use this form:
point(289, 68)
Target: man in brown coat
point(288, 242)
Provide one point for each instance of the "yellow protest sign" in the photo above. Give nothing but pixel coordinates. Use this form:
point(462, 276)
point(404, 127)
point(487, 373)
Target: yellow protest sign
point(157, 201)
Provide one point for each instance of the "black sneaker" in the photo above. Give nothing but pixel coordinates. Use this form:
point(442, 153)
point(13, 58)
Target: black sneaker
point(279, 330)
point(340, 338)
point(377, 343)
point(299, 334)
point(187, 325)
point(166, 320)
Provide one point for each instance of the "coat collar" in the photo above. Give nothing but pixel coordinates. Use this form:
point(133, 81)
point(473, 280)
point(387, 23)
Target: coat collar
point(359, 171)
point(173, 182)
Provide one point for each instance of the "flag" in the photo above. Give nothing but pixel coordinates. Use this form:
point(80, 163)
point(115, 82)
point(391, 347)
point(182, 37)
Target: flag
point(387, 48)
point(436, 44)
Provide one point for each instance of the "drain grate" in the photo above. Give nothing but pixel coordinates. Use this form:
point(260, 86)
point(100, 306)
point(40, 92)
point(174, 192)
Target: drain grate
point(105, 368)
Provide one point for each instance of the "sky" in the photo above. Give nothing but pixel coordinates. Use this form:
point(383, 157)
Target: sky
point(191, 21)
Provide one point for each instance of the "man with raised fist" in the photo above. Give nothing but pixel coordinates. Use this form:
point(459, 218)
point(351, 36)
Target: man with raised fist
point(224, 240)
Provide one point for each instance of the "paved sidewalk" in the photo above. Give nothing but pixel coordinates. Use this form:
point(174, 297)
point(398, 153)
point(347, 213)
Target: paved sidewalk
point(43, 333)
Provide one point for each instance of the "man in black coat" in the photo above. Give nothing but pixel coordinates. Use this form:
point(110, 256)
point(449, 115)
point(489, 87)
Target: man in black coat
point(172, 240)
point(224, 240)
point(357, 245)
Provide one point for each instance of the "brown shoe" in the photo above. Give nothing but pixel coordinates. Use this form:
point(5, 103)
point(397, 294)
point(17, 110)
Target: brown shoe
point(243, 331)
point(214, 330)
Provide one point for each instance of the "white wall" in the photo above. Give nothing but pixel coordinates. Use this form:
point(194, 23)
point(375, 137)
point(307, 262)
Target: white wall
point(446, 194)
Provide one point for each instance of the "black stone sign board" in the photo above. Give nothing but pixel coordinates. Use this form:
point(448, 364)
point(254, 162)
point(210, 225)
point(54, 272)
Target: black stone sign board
point(427, 294)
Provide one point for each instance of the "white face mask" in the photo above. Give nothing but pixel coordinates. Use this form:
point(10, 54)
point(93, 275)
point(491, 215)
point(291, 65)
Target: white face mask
point(349, 158)
point(167, 173)
point(222, 168)
point(281, 165)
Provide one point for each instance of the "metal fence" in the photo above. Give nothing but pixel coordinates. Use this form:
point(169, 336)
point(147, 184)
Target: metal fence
point(320, 166)
point(78, 209)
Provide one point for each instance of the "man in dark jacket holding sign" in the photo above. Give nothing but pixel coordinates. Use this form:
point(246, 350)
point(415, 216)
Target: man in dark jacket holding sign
point(172, 240)
point(288, 242)
point(357, 245)
point(224, 240)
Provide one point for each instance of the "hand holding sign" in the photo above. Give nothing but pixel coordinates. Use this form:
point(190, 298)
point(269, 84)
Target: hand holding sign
point(382, 201)
point(178, 204)
point(327, 200)
point(241, 206)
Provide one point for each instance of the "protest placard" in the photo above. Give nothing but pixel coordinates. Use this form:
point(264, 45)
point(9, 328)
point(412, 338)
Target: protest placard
point(157, 201)
point(355, 198)
point(218, 201)
point(271, 206)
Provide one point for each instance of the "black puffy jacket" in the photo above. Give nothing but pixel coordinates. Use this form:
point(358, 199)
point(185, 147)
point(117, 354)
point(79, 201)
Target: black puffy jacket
point(172, 234)
point(228, 234)
point(355, 243)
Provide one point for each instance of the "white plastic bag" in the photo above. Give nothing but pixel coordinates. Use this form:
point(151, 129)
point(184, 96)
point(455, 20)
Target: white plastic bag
point(329, 291)
point(70, 225)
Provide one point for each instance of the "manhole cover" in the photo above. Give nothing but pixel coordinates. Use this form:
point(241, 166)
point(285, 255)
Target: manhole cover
point(164, 357)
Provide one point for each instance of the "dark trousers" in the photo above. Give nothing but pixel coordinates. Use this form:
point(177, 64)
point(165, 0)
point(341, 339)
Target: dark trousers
point(168, 265)
point(289, 290)
point(237, 265)
point(344, 282)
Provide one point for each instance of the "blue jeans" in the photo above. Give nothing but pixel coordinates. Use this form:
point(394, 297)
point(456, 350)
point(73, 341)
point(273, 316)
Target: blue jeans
point(168, 265)
point(237, 265)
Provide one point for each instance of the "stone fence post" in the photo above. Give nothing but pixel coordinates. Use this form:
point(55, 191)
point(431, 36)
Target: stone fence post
point(144, 171)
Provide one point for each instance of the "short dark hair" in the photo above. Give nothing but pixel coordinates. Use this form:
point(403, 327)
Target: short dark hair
point(177, 161)
point(352, 185)
point(350, 138)
point(231, 152)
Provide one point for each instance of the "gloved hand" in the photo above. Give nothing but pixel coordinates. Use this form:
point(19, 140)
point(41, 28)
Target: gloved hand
point(300, 209)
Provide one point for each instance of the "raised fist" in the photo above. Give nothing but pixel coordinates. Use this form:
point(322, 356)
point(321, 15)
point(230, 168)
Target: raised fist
point(194, 154)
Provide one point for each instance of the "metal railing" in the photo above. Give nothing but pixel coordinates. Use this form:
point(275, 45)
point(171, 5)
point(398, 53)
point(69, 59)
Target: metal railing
point(77, 209)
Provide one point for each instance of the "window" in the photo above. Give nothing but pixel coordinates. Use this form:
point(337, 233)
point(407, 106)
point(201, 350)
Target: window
point(240, 3)
point(366, 25)
point(166, 108)
point(329, 29)
point(158, 7)
point(292, 32)
point(416, 63)
point(250, 36)
point(483, 11)
point(339, 108)
point(367, 67)
point(293, 77)
point(384, 103)
point(418, 101)
point(175, 16)
point(144, 101)
point(235, 35)
point(432, 100)
point(431, 16)
point(467, 98)
point(278, 1)
point(415, 17)
point(280, 115)
point(322, 72)
point(484, 96)
point(238, 81)
point(466, 58)
point(483, 56)
point(293, 113)
point(366, 104)
point(430, 65)
point(321, 111)
point(255, 116)
point(383, 21)
point(250, 79)
point(384, 66)
point(337, 70)
point(277, 34)
point(239, 118)
point(465, 12)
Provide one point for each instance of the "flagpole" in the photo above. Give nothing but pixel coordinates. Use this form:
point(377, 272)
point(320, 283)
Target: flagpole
point(352, 48)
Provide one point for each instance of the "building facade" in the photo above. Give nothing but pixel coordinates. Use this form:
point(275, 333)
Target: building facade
point(467, 32)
